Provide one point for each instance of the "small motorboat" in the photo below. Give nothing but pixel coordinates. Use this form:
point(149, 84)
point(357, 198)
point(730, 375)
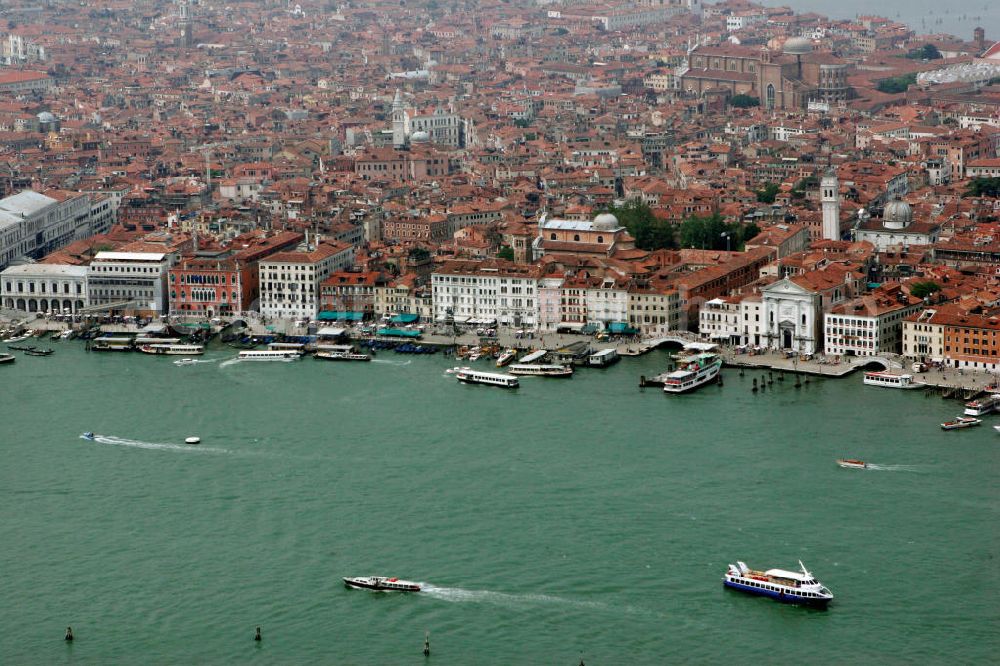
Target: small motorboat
point(185, 361)
point(88, 435)
point(192, 440)
point(15, 340)
point(851, 463)
point(39, 352)
point(7, 358)
point(456, 369)
point(960, 422)
point(382, 584)
point(506, 357)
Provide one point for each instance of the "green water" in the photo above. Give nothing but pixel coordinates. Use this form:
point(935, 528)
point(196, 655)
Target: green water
point(572, 518)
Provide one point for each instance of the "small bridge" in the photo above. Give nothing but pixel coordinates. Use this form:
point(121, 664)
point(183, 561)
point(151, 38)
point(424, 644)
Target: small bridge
point(886, 361)
point(672, 337)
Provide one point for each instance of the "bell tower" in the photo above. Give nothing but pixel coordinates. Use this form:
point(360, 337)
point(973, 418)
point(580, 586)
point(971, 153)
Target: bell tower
point(830, 197)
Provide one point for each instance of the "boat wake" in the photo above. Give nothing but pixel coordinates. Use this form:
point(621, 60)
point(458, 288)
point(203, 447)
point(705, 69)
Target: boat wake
point(459, 595)
point(228, 362)
point(157, 446)
point(385, 362)
point(893, 468)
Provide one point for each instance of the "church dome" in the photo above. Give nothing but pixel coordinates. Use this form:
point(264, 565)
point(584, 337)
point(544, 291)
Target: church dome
point(897, 215)
point(606, 222)
point(420, 136)
point(797, 46)
point(46, 117)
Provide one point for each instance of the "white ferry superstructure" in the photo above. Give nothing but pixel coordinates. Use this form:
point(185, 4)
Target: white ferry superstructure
point(891, 380)
point(983, 406)
point(692, 372)
point(540, 370)
point(470, 376)
point(794, 587)
point(270, 355)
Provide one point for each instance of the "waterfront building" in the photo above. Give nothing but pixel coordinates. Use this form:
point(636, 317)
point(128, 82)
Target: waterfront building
point(130, 281)
point(653, 308)
point(496, 290)
point(971, 340)
point(350, 292)
point(57, 288)
point(207, 286)
point(404, 295)
point(719, 320)
point(607, 302)
point(923, 335)
point(869, 325)
point(791, 317)
point(752, 320)
point(33, 224)
point(290, 281)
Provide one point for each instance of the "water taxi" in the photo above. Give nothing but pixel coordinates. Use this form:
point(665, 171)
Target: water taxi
point(794, 587)
point(185, 361)
point(19, 338)
point(88, 435)
point(172, 349)
point(7, 358)
point(983, 406)
point(506, 357)
point(470, 376)
point(270, 355)
point(382, 584)
point(960, 422)
point(39, 352)
point(692, 372)
point(540, 370)
point(851, 463)
point(192, 440)
point(890, 380)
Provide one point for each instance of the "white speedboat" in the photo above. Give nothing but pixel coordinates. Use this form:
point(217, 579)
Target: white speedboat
point(851, 463)
point(186, 361)
point(997, 428)
point(15, 340)
point(982, 406)
point(506, 357)
point(794, 587)
point(7, 358)
point(192, 440)
point(960, 422)
point(891, 380)
point(88, 435)
point(692, 372)
point(382, 584)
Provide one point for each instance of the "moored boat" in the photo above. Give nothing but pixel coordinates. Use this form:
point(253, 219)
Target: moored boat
point(692, 372)
point(960, 422)
point(470, 376)
point(270, 355)
point(172, 349)
point(506, 357)
point(890, 380)
point(7, 358)
point(983, 406)
point(540, 370)
point(341, 356)
point(852, 463)
point(381, 584)
point(16, 339)
point(39, 352)
point(794, 587)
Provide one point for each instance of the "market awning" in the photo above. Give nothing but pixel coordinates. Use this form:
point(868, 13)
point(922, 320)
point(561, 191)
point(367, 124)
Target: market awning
point(334, 315)
point(405, 318)
point(621, 328)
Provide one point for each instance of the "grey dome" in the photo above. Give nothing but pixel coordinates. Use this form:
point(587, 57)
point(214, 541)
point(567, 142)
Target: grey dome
point(46, 117)
point(606, 222)
point(797, 46)
point(420, 136)
point(897, 215)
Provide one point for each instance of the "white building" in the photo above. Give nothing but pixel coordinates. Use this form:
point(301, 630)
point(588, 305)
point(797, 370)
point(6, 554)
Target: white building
point(896, 229)
point(923, 337)
point(499, 291)
point(830, 196)
point(290, 281)
point(791, 317)
point(34, 224)
point(868, 325)
point(130, 281)
point(752, 320)
point(719, 321)
point(44, 288)
point(607, 303)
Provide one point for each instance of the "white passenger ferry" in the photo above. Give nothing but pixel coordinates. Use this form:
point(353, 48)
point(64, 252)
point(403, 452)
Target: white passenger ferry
point(891, 380)
point(692, 372)
point(794, 587)
point(270, 355)
point(540, 370)
point(983, 406)
point(470, 376)
point(173, 349)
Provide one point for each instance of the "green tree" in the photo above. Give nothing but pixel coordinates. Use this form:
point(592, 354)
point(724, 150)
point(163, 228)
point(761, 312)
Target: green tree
point(506, 252)
point(925, 52)
point(925, 288)
point(742, 101)
point(983, 187)
point(896, 84)
point(649, 232)
point(713, 233)
point(768, 193)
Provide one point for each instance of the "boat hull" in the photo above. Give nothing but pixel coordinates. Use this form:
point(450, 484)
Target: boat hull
point(365, 585)
point(777, 596)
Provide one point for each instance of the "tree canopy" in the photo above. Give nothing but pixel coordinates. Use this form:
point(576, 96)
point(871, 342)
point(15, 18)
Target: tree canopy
point(649, 232)
point(768, 193)
point(896, 84)
point(742, 101)
point(983, 187)
point(712, 233)
point(924, 288)
point(925, 52)
point(506, 252)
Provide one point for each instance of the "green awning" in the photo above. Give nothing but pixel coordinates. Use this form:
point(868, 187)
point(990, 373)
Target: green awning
point(405, 318)
point(621, 328)
point(335, 315)
point(398, 333)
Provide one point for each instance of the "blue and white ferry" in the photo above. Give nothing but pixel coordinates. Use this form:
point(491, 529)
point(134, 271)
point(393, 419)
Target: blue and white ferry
point(794, 587)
